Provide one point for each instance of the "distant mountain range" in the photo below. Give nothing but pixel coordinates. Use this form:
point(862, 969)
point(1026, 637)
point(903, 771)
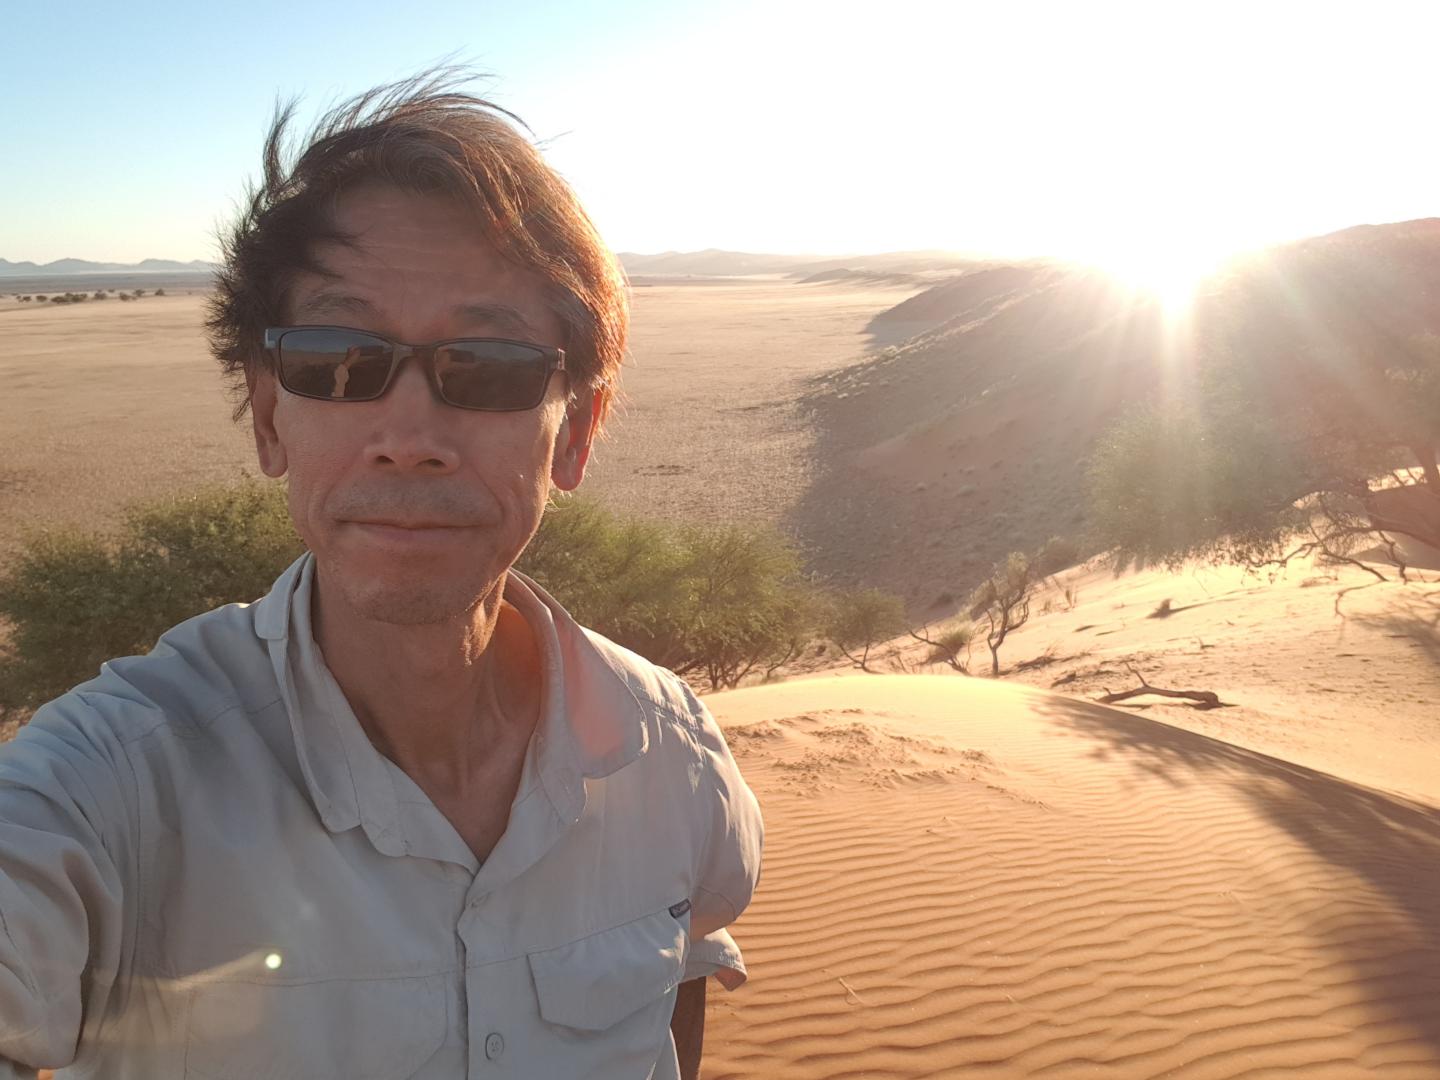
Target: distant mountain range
point(85, 266)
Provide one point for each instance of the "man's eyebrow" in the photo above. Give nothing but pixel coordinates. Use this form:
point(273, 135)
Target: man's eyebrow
point(494, 312)
point(331, 300)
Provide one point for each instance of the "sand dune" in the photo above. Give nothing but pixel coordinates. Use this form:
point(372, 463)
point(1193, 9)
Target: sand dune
point(965, 878)
point(972, 438)
point(1321, 666)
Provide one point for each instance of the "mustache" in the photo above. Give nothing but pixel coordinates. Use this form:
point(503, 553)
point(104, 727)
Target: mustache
point(432, 506)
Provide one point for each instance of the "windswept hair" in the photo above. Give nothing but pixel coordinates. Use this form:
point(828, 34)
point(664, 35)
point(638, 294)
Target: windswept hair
point(423, 135)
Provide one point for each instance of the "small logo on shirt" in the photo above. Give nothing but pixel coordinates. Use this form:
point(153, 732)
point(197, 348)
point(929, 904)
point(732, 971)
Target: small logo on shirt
point(676, 910)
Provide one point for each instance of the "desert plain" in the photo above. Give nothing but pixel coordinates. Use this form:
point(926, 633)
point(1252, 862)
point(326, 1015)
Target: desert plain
point(964, 877)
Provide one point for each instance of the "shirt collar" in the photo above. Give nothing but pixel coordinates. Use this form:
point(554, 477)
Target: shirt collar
point(591, 722)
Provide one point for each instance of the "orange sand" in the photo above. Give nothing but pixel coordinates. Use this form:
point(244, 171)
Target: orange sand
point(971, 879)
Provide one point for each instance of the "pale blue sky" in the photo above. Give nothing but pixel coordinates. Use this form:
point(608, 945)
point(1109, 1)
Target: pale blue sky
point(1122, 131)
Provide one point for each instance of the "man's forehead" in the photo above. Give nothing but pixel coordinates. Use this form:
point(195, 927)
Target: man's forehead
point(419, 267)
point(383, 230)
point(339, 301)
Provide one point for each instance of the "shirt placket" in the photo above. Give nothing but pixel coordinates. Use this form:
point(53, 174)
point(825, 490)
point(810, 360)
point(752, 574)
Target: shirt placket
point(497, 990)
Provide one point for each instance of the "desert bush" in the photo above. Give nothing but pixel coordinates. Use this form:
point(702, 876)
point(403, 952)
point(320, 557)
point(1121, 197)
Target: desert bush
point(859, 619)
point(99, 294)
point(1173, 482)
point(745, 602)
point(1057, 554)
point(952, 645)
point(1003, 601)
point(621, 577)
point(1305, 436)
point(159, 292)
point(74, 600)
point(712, 601)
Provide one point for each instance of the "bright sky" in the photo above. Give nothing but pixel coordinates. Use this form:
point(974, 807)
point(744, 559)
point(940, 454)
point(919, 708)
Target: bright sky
point(1121, 133)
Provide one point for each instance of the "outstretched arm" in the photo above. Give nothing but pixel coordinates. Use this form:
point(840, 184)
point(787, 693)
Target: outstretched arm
point(64, 828)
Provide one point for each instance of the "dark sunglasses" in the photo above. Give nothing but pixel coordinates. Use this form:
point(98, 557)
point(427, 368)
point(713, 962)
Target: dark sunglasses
point(336, 363)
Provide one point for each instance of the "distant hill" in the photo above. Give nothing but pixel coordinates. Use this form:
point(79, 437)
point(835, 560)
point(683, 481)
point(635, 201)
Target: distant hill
point(66, 267)
point(971, 438)
point(716, 263)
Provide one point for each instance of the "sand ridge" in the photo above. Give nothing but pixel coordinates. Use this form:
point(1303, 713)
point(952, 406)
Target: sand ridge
point(1052, 888)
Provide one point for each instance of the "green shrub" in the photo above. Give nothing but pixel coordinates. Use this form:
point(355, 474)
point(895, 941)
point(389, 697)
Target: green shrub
point(621, 577)
point(860, 619)
point(952, 644)
point(76, 600)
point(717, 601)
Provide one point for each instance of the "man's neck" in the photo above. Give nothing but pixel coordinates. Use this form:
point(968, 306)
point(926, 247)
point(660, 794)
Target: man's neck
point(437, 699)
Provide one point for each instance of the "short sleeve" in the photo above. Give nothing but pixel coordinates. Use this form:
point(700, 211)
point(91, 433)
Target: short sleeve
point(62, 818)
point(716, 954)
point(730, 865)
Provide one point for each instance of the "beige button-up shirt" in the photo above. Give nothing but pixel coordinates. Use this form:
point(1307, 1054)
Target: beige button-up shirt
point(207, 870)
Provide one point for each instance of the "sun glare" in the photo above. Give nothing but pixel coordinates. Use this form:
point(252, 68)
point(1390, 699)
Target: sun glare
point(1169, 268)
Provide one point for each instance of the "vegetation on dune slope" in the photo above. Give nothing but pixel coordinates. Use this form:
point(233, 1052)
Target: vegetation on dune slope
point(1309, 427)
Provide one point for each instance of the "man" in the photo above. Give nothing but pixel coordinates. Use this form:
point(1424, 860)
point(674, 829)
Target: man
point(402, 817)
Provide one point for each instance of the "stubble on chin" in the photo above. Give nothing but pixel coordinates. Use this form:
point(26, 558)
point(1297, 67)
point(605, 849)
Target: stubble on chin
point(407, 600)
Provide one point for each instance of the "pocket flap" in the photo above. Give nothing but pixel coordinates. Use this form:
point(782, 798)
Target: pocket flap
point(599, 980)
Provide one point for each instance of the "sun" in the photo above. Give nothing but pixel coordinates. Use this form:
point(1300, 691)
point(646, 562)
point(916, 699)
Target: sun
point(1169, 267)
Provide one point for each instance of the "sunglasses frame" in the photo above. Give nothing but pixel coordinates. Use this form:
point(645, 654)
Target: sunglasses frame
point(400, 352)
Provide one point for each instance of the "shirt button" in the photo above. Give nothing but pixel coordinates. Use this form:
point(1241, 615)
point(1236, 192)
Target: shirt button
point(494, 1046)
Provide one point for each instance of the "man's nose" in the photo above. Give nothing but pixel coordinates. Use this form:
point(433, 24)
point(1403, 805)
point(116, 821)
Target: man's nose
point(411, 429)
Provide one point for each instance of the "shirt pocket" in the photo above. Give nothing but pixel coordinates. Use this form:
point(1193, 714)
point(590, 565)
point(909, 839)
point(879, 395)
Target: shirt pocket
point(361, 1029)
point(624, 974)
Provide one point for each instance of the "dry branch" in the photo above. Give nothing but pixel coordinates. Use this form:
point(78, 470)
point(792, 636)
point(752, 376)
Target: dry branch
point(1203, 699)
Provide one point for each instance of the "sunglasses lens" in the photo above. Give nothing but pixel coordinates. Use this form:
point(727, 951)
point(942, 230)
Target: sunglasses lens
point(498, 376)
point(333, 364)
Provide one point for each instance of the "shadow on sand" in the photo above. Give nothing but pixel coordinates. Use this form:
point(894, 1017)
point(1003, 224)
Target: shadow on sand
point(1415, 618)
point(1387, 842)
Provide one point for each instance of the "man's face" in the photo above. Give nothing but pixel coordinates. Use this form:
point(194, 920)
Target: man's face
point(414, 508)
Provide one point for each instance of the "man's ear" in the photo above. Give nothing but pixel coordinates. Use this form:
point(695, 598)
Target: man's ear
point(264, 393)
point(573, 440)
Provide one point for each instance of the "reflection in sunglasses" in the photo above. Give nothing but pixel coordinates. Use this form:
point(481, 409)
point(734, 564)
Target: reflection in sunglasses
point(342, 371)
